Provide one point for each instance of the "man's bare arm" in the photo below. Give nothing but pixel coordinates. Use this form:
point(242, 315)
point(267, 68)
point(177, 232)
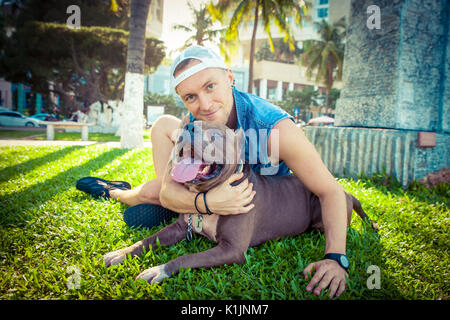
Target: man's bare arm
point(223, 199)
point(302, 158)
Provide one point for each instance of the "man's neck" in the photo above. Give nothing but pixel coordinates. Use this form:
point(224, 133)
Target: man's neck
point(232, 118)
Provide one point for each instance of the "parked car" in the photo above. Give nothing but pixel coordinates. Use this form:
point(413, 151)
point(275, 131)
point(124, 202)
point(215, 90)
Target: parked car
point(16, 119)
point(44, 117)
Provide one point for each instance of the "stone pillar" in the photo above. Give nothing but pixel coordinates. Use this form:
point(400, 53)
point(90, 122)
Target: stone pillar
point(84, 133)
point(394, 77)
point(263, 88)
point(396, 86)
point(38, 103)
point(291, 86)
point(50, 132)
point(20, 98)
point(279, 91)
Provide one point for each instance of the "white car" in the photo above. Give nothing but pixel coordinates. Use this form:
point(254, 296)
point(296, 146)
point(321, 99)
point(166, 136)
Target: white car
point(16, 119)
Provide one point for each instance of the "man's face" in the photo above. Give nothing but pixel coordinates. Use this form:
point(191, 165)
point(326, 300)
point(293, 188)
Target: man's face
point(207, 94)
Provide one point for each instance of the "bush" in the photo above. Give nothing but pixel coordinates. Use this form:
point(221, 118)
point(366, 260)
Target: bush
point(167, 101)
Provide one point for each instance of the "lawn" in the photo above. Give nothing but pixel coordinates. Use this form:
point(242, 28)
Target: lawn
point(61, 135)
point(53, 238)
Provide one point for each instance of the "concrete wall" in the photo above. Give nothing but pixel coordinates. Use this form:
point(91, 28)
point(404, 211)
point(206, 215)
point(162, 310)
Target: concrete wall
point(347, 152)
point(5, 88)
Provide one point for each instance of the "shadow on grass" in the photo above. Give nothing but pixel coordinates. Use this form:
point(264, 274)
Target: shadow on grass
point(14, 208)
point(11, 172)
point(390, 185)
point(366, 253)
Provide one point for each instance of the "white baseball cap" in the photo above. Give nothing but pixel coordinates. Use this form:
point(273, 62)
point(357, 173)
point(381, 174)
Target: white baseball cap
point(207, 57)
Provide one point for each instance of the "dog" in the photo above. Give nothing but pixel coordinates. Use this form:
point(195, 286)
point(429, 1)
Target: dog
point(283, 205)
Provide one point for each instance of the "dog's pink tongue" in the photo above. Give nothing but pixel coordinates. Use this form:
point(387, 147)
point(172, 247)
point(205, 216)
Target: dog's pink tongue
point(185, 170)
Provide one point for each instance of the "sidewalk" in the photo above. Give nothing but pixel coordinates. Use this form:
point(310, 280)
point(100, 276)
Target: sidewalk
point(24, 142)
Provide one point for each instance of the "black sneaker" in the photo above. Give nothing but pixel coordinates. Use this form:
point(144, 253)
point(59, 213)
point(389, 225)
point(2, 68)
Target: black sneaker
point(98, 187)
point(147, 215)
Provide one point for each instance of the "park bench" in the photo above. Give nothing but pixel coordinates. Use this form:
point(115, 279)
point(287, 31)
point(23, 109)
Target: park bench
point(52, 125)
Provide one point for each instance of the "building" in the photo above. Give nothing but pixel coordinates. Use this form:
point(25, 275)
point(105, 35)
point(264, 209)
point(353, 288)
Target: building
point(272, 79)
point(155, 19)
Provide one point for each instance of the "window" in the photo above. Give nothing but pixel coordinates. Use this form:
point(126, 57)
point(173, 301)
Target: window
point(322, 13)
point(10, 114)
point(323, 2)
point(271, 93)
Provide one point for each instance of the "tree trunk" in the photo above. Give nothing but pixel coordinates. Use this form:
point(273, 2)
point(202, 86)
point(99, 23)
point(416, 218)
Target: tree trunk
point(252, 50)
point(132, 121)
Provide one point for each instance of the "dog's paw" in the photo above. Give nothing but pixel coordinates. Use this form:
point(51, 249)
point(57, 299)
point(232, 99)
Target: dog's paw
point(115, 257)
point(153, 275)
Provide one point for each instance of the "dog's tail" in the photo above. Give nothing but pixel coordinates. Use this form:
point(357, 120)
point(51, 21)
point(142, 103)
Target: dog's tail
point(359, 210)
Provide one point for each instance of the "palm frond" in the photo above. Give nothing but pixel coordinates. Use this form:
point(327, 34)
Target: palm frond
point(243, 8)
point(182, 28)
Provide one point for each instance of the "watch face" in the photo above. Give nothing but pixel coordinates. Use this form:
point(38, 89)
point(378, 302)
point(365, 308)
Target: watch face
point(344, 261)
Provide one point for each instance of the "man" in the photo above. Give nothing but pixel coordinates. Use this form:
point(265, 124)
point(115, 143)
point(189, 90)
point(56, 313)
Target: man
point(206, 87)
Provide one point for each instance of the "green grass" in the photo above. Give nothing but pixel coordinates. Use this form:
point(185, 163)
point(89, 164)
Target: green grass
point(48, 229)
point(60, 135)
point(17, 134)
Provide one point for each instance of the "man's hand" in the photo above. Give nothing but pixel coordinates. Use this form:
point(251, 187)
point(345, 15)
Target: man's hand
point(328, 273)
point(227, 199)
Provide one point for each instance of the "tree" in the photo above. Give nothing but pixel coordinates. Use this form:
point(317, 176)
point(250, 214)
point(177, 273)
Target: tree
point(325, 56)
point(268, 11)
point(77, 62)
point(333, 95)
point(134, 77)
point(302, 99)
point(168, 101)
point(203, 31)
point(93, 13)
point(83, 65)
point(200, 28)
point(282, 52)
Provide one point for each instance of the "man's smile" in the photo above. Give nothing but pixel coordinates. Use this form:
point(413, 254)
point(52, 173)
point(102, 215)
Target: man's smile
point(211, 115)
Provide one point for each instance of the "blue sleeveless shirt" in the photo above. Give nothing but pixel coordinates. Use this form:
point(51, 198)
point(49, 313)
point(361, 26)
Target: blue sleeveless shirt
point(260, 116)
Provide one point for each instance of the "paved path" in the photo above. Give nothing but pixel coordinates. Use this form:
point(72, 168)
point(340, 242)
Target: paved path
point(24, 142)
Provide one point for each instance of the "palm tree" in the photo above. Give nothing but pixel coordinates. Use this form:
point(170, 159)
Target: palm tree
point(202, 32)
point(200, 28)
point(325, 56)
point(268, 11)
point(132, 120)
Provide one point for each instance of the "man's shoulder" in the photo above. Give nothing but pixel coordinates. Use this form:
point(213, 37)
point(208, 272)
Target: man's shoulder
point(254, 100)
point(261, 110)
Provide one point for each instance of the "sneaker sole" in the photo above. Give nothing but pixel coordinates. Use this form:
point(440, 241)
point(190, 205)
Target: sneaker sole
point(147, 215)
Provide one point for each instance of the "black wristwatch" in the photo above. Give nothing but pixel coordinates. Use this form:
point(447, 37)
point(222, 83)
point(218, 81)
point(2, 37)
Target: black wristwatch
point(340, 258)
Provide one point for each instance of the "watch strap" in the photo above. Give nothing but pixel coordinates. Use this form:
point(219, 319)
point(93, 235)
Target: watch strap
point(337, 257)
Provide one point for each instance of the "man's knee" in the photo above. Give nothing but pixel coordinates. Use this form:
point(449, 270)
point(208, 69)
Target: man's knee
point(149, 191)
point(164, 126)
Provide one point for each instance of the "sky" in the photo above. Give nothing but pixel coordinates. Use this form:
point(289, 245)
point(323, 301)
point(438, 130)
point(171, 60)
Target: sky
point(177, 12)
